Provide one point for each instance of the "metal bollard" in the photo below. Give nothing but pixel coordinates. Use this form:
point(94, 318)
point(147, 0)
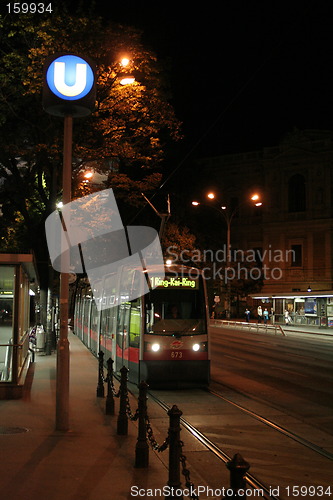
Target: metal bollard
point(142, 447)
point(174, 454)
point(238, 468)
point(109, 404)
point(100, 385)
point(122, 422)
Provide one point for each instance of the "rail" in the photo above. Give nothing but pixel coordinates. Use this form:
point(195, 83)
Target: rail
point(252, 481)
point(21, 350)
point(317, 449)
point(276, 329)
point(323, 322)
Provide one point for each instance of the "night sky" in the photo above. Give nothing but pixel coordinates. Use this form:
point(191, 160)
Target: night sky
point(244, 73)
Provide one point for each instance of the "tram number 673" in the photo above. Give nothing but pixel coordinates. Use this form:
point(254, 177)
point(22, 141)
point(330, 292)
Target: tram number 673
point(176, 354)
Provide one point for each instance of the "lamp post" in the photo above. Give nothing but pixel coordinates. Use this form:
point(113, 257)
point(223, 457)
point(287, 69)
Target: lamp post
point(228, 217)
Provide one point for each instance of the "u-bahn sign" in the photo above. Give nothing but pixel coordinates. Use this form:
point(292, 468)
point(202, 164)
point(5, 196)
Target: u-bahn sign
point(69, 85)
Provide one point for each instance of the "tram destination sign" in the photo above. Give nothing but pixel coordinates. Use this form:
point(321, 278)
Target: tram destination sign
point(172, 282)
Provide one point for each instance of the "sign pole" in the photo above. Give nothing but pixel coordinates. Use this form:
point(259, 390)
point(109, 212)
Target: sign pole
point(62, 380)
point(69, 91)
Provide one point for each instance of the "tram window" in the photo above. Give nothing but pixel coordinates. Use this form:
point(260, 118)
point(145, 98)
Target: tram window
point(94, 317)
point(123, 324)
point(188, 303)
point(106, 323)
point(135, 324)
point(86, 308)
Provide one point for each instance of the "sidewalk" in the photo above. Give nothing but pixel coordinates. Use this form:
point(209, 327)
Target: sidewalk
point(314, 330)
point(89, 462)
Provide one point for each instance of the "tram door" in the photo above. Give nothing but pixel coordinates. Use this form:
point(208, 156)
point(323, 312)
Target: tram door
point(123, 335)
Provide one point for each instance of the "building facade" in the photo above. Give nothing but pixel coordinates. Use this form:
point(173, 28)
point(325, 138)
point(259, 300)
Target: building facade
point(291, 234)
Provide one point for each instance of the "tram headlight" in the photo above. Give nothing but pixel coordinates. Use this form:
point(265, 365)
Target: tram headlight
point(155, 347)
point(196, 347)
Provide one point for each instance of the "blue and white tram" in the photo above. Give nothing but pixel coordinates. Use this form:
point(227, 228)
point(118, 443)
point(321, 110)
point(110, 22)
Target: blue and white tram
point(161, 337)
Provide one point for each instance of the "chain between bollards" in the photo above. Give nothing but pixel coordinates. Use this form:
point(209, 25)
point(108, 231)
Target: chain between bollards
point(238, 467)
point(100, 385)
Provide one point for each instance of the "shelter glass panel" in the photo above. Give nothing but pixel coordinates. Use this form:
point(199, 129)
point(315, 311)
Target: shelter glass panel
point(7, 288)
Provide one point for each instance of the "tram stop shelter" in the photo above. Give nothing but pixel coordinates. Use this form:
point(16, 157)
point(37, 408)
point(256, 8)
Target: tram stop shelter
point(18, 285)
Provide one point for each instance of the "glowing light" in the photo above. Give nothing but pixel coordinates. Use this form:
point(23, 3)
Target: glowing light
point(70, 77)
point(125, 62)
point(127, 80)
point(255, 197)
point(196, 347)
point(211, 196)
point(88, 175)
point(155, 347)
point(168, 263)
point(195, 203)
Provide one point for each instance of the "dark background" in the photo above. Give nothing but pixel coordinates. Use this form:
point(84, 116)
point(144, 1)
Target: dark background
point(242, 73)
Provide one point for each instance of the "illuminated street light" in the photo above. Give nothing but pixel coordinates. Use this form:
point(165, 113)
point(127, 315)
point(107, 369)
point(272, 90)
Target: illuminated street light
point(125, 62)
point(127, 79)
point(228, 217)
point(256, 198)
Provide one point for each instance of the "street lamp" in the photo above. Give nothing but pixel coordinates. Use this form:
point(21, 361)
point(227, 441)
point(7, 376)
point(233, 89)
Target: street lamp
point(228, 217)
point(256, 198)
point(87, 176)
point(126, 78)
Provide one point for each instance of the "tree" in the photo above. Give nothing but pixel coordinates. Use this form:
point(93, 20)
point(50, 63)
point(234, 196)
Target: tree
point(179, 244)
point(125, 138)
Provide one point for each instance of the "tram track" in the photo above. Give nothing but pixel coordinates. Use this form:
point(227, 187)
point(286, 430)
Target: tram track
point(276, 427)
point(251, 480)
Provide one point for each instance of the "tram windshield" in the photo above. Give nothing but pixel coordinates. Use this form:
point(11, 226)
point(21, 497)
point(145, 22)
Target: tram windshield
point(177, 307)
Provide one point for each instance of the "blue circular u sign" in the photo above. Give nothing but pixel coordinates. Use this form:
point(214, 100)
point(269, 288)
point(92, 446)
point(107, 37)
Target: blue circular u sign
point(70, 77)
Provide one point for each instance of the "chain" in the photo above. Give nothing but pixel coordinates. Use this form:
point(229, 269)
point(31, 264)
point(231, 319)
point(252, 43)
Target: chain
point(130, 415)
point(101, 373)
point(186, 474)
point(115, 393)
point(152, 441)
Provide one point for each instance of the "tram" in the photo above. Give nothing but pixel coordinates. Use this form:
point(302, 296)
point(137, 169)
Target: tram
point(161, 336)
